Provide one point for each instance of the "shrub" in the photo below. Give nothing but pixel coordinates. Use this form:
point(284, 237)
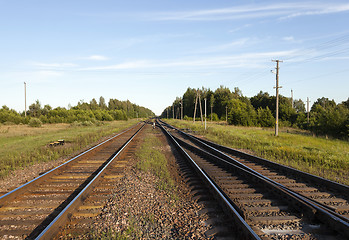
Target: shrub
point(87, 123)
point(35, 122)
point(187, 118)
point(265, 117)
point(214, 117)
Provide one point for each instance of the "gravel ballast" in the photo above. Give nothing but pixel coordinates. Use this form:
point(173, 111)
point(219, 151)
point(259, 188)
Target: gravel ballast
point(140, 209)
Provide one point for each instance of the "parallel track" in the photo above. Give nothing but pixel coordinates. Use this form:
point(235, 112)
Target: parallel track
point(261, 198)
point(38, 208)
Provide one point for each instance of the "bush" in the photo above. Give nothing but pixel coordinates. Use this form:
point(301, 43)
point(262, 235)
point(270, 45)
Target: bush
point(187, 118)
point(265, 117)
point(35, 122)
point(242, 113)
point(87, 123)
point(214, 117)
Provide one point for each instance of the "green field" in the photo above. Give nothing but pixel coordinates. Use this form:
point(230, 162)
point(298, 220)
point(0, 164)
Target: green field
point(22, 145)
point(328, 158)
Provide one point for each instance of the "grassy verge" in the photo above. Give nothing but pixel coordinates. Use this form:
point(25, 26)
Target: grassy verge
point(328, 158)
point(22, 145)
point(151, 159)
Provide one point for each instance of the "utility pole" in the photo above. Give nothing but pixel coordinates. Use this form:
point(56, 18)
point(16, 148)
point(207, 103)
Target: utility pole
point(292, 98)
point(205, 113)
point(308, 110)
point(181, 108)
point(25, 100)
point(196, 102)
point(226, 114)
point(198, 98)
point(277, 97)
point(202, 120)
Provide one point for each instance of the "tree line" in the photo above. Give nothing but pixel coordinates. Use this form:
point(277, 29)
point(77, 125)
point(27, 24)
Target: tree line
point(82, 112)
point(325, 116)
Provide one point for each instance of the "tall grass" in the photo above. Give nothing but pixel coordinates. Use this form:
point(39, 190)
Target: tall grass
point(22, 145)
point(328, 158)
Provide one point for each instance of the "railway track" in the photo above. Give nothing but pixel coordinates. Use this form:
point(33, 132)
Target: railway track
point(37, 209)
point(276, 202)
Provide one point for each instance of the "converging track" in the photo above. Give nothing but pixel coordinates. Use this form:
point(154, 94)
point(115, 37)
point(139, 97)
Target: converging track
point(265, 199)
point(37, 209)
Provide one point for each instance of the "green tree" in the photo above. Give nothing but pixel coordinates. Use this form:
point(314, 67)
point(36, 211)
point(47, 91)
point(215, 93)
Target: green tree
point(93, 104)
point(102, 104)
point(222, 97)
point(299, 106)
point(188, 102)
point(242, 113)
point(265, 118)
point(35, 109)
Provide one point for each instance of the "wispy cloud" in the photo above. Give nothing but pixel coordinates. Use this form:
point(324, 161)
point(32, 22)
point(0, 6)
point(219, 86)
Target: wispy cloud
point(224, 47)
point(249, 60)
point(47, 73)
point(291, 39)
point(279, 10)
point(97, 58)
point(320, 10)
point(288, 39)
point(239, 28)
point(54, 65)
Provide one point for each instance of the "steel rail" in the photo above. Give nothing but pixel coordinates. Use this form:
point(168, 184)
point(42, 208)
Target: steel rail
point(338, 222)
point(19, 190)
point(344, 189)
point(62, 217)
point(320, 180)
point(331, 184)
point(316, 179)
point(247, 231)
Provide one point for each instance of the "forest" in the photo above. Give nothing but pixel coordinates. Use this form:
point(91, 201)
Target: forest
point(325, 116)
point(83, 112)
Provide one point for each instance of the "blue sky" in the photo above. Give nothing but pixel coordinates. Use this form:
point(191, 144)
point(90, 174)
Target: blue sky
point(150, 52)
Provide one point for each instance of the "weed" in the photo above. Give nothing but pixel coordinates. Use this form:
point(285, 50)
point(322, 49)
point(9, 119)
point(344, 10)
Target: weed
point(151, 159)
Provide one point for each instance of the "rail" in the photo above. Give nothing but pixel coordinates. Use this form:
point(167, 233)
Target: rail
point(321, 212)
point(226, 203)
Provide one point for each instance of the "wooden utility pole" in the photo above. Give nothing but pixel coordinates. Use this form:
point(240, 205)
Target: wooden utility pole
point(277, 97)
point(308, 110)
point(181, 108)
point(25, 100)
point(202, 119)
point(198, 98)
point(196, 102)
